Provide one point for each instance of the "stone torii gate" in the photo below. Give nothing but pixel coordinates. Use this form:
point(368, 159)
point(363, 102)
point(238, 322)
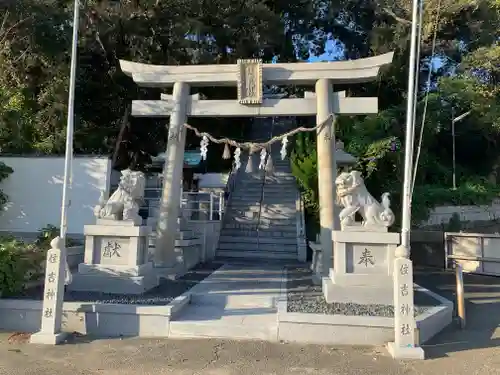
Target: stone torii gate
point(250, 76)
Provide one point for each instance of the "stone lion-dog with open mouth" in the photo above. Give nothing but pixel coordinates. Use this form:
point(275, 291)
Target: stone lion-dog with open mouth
point(353, 195)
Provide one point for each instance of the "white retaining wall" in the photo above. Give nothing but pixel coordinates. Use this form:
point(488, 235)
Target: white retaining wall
point(443, 214)
point(35, 192)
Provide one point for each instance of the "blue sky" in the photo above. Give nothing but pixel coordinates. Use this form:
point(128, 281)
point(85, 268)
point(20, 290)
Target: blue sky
point(333, 51)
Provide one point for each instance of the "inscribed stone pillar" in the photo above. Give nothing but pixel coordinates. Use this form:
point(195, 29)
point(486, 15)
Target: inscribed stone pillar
point(404, 345)
point(167, 227)
point(53, 296)
point(327, 171)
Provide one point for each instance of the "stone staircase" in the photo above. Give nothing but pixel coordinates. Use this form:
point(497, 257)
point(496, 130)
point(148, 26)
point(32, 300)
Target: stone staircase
point(261, 217)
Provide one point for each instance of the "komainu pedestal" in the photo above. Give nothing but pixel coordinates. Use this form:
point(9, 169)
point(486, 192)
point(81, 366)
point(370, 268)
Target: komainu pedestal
point(116, 247)
point(363, 251)
point(116, 259)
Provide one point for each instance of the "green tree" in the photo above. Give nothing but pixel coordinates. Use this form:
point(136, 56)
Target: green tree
point(467, 47)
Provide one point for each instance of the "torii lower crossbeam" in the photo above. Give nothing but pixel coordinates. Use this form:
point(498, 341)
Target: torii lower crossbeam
point(270, 107)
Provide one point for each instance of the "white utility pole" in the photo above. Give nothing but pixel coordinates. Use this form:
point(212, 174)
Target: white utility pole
point(68, 159)
point(410, 133)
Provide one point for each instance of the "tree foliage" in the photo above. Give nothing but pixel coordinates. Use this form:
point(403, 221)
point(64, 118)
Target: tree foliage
point(464, 76)
point(35, 40)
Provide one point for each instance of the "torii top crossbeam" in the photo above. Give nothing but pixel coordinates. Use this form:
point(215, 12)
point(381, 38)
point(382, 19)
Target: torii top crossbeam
point(349, 71)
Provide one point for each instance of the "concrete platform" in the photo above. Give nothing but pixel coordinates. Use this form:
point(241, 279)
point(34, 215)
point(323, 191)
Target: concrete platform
point(315, 328)
point(240, 300)
point(236, 301)
point(108, 315)
point(245, 301)
point(98, 319)
point(118, 284)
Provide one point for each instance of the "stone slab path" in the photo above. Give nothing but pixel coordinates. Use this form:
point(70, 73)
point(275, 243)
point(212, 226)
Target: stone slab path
point(236, 301)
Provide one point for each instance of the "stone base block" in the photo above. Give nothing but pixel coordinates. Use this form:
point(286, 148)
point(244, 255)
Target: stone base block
point(120, 223)
point(117, 284)
point(361, 294)
point(398, 352)
point(48, 338)
point(378, 280)
point(186, 258)
point(122, 271)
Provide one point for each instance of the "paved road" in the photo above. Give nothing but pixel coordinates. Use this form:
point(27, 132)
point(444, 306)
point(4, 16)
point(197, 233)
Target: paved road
point(217, 357)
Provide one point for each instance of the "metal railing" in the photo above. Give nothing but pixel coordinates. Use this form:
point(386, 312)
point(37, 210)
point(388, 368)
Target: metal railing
point(478, 248)
point(203, 206)
point(460, 295)
point(196, 206)
point(459, 276)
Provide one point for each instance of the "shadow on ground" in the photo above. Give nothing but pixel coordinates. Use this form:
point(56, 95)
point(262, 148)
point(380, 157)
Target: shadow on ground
point(482, 295)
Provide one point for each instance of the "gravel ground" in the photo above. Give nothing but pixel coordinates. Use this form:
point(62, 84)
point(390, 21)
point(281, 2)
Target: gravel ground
point(163, 294)
point(305, 297)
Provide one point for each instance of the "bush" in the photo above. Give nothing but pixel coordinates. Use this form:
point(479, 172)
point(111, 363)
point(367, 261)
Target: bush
point(19, 263)
point(47, 234)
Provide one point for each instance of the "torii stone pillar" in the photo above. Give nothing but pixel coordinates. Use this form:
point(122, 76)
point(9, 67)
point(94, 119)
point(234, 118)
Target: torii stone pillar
point(166, 231)
point(327, 169)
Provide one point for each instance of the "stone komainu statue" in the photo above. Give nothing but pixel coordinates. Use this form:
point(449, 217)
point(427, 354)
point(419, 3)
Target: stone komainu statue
point(125, 201)
point(353, 195)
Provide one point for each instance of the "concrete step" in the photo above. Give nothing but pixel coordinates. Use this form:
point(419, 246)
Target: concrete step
point(288, 191)
point(268, 185)
point(283, 198)
point(191, 329)
point(268, 205)
point(252, 213)
point(262, 226)
point(205, 317)
point(277, 176)
point(249, 200)
point(283, 209)
point(262, 220)
point(262, 214)
point(284, 179)
point(264, 208)
point(255, 255)
point(282, 248)
point(262, 233)
point(258, 239)
point(271, 187)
